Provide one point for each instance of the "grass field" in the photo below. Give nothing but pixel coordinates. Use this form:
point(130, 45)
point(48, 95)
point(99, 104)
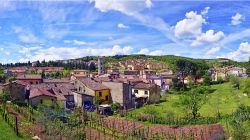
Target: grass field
point(224, 99)
point(6, 132)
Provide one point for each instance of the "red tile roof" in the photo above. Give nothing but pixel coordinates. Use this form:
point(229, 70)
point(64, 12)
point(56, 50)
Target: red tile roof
point(143, 86)
point(92, 84)
point(29, 76)
point(35, 92)
point(79, 70)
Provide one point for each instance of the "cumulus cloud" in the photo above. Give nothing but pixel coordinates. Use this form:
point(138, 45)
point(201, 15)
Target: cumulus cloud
point(133, 8)
point(237, 19)
point(127, 7)
point(209, 37)
point(149, 3)
point(120, 25)
point(241, 54)
point(190, 26)
point(147, 52)
point(60, 53)
point(213, 50)
point(190, 29)
point(26, 50)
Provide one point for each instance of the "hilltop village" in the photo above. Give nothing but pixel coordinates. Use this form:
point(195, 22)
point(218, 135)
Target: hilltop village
point(136, 84)
point(131, 87)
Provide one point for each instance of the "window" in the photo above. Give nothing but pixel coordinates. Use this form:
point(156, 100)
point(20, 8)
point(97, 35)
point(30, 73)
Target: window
point(135, 91)
point(107, 98)
point(100, 94)
point(36, 82)
point(146, 92)
point(31, 83)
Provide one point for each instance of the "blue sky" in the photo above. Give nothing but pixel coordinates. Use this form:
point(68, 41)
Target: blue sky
point(52, 30)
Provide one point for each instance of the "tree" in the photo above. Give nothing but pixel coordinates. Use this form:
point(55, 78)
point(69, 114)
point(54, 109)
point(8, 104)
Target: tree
point(97, 101)
point(176, 84)
point(193, 100)
point(92, 67)
point(66, 73)
point(235, 81)
point(240, 122)
point(115, 107)
point(246, 86)
point(185, 68)
point(248, 69)
point(207, 79)
point(4, 97)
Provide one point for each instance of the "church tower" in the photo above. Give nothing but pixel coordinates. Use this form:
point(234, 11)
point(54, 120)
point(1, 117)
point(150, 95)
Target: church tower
point(101, 68)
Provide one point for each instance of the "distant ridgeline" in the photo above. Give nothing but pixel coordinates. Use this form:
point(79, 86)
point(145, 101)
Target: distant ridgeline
point(90, 62)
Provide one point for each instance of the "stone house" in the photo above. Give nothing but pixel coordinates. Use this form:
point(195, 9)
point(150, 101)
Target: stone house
point(149, 93)
point(121, 93)
point(62, 89)
point(16, 89)
point(41, 96)
point(89, 89)
point(30, 78)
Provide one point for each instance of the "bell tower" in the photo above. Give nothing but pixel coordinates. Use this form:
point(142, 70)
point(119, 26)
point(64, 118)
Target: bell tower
point(101, 68)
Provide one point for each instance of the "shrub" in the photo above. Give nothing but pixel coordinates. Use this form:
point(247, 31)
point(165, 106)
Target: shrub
point(115, 106)
point(143, 117)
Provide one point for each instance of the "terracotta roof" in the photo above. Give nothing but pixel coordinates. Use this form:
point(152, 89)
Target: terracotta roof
point(20, 82)
point(53, 70)
point(35, 92)
point(58, 88)
point(79, 70)
point(28, 76)
point(143, 86)
point(79, 75)
point(49, 68)
point(54, 80)
point(92, 84)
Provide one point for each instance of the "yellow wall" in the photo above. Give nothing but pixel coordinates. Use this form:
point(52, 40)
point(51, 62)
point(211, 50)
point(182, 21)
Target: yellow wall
point(105, 93)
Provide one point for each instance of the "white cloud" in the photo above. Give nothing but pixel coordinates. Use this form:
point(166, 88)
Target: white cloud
point(209, 37)
point(125, 6)
point(213, 50)
point(133, 8)
point(120, 25)
point(156, 52)
point(147, 52)
point(52, 32)
point(149, 3)
point(144, 51)
point(241, 54)
point(27, 51)
point(28, 38)
point(190, 26)
point(205, 11)
point(60, 53)
point(237, 19)
point(25, 35)
point(78, 42)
